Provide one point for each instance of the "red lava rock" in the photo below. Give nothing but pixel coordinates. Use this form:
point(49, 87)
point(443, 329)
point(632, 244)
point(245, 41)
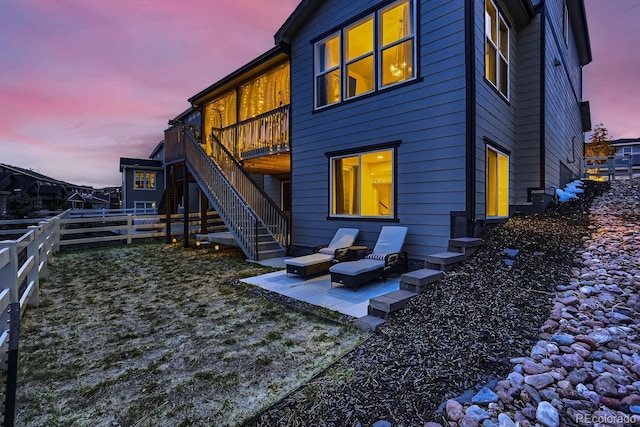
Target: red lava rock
point(585, 339)
point(610, 402)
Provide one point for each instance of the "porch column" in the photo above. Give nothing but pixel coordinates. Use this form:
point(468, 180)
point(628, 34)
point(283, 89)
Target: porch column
point(185, 192)
point(168, 201)
point(204, 205)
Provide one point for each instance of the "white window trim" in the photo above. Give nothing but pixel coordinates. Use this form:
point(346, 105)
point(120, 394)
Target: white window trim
point(372, 53)
point(487, 37)
point(498, 153)
point(377, 57)
point(317, 73)
point(144, 181)
point(380, 49)
point(359, 155)
point(144, 207)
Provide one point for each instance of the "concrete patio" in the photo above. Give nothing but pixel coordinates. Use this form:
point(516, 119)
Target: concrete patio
point(318, 290)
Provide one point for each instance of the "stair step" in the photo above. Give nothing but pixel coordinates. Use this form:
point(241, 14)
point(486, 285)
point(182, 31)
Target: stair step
point(368, 322)
point(270, 253)
point(390, 302)
point(446, 258)
point(465, 242)
point(417, 281)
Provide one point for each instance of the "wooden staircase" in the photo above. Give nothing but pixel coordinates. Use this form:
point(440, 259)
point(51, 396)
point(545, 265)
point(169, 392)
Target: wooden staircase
point(256, 223)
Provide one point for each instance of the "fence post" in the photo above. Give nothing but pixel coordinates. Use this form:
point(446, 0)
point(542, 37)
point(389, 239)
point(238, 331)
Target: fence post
point(56, 235)
point(129, 228)
point(44, 248)
point(9, 273)
point(12, 366)
point(33, 250)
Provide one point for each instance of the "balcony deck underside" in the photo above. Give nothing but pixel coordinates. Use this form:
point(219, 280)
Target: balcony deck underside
point(271, 164)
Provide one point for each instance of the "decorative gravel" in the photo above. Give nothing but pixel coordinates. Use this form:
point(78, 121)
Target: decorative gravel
point(456, 338)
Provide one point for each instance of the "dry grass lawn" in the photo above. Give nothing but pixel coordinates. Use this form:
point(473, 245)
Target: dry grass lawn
point(156, 335)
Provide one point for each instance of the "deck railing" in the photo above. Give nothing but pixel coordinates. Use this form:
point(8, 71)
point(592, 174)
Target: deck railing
point(264, 134)
point(242, 222)
point(266, 209)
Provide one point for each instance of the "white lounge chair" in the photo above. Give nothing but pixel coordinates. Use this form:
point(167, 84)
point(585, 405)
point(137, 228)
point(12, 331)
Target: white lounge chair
point(385, 259)
point(323, 256)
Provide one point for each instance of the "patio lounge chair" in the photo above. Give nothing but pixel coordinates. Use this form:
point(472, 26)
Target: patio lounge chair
point(323, 256)
point(384, 260)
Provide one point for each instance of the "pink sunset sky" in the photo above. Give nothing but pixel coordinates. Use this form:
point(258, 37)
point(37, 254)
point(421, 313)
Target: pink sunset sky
point(85, 82)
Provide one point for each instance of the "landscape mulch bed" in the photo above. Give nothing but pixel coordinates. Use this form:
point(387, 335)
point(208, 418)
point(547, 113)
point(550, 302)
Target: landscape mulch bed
point(456, 337)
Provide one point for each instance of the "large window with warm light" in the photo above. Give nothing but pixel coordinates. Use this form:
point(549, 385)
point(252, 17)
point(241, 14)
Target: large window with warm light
point(496, 53)
point(362, 185)
point(144, 180)
point(376, 52)
point(497, 194)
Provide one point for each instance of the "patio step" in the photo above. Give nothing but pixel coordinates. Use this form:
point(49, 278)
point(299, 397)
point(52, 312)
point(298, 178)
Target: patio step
point(418, 280)
point(445, 261)
point(462, 244)
point(383, 305)
point(369, 323)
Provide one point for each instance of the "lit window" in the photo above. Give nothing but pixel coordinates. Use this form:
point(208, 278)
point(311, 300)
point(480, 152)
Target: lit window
point(359, 58)
point(497, 183)
point(394, 55)
point(145, 181)
point(363, 184)
point(397, 43)
point(328, 71)
point(496, 49)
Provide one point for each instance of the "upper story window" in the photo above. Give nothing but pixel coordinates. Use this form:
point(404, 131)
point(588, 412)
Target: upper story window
point(144, 180)
point(375, 52)
point(496, 54)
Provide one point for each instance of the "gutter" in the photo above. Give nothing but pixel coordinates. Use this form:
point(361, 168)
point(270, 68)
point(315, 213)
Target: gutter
point(470, 145)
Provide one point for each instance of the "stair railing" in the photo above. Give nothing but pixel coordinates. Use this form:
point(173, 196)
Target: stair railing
point(268, 212)
point(240, 219)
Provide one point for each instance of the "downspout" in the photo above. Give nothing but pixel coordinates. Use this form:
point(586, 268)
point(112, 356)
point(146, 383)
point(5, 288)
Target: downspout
point(540, 8)
point(470, 149)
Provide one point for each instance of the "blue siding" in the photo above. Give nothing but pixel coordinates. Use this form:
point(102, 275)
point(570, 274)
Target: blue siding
point(427, 116)
point(564, 140)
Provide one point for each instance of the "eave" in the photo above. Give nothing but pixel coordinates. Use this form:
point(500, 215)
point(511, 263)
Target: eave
point(268, 59)
point(578, 18)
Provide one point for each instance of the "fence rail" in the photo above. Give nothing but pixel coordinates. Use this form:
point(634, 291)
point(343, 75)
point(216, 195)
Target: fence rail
point(24, 262)
point(609, 168)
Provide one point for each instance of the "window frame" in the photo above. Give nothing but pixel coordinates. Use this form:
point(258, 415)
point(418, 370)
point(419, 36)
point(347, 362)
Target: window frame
point(393, 150)
point(147, 206)
point(376, 15)
point(499, 173)
point(145, 180)
point(500, 22)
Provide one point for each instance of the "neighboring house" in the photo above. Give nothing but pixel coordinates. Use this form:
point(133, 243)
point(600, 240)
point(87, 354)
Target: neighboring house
point(627, 150)
point(142, 184)
point(44, 193)
point(438, 115)
point(87, 201)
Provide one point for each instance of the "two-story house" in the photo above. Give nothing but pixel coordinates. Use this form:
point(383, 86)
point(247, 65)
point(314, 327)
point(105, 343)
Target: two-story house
point(437, 115)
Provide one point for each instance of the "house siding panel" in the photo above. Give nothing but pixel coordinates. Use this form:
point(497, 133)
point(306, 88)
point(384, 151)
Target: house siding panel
point(427, 116)
point(564, 140)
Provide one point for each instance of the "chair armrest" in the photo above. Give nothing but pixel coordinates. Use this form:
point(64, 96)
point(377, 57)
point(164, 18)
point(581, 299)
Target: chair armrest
point(316, 249)
point(395, 258)
point(341, 254)
point(358, 252)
